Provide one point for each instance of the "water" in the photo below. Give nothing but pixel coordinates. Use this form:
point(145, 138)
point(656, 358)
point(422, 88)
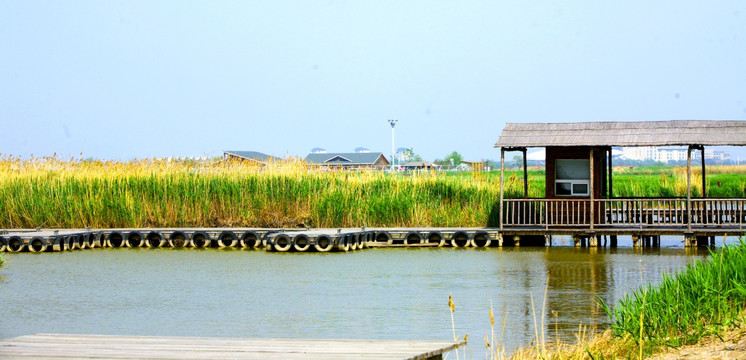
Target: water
point(370, 294)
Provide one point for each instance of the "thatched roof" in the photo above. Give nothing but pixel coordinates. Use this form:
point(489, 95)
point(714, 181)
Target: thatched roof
point(639, 133)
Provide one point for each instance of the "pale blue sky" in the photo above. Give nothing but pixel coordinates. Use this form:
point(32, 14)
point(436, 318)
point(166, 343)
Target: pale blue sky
point(118, 80)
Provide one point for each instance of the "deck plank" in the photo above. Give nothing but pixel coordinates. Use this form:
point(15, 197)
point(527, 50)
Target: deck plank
point(62, 346)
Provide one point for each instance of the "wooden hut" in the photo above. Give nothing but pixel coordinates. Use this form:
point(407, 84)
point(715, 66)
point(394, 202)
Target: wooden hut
point(579, 180)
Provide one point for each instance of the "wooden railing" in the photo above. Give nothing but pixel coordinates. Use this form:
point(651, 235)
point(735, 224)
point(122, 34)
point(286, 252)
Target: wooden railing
point(719, 212)
point(627, 212)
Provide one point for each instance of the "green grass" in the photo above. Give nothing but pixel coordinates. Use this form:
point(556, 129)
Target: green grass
point(708, 297)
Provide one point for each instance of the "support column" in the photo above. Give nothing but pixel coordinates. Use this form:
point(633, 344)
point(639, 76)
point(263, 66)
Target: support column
point(593, 241)
point(516, 241)
point(500, 239)
point(612, 241)
point(547, 240)
point(525, 174)
point(592, 191)
point(704, 174)
point(576, 240)
point(635, 241)
point(611, 172)
point(689, 188)
point(502, 184)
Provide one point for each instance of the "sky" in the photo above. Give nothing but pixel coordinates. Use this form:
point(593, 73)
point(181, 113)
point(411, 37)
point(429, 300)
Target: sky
point(140, 79)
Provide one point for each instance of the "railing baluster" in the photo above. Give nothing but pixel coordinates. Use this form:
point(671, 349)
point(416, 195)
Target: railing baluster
point(572, 222)
point(512, 213)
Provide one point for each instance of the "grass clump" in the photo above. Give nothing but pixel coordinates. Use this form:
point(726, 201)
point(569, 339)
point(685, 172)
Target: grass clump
point(707, 298)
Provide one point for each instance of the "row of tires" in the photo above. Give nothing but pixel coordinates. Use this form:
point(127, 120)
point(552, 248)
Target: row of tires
point(131, 239)
point(302, 242)
point(282, 242)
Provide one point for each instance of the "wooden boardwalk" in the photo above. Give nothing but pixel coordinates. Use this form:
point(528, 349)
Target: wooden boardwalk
point(57, 346)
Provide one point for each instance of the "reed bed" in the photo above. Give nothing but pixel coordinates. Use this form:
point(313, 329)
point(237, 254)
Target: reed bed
point(54, 193)
point(705, 299)
point(702, 304)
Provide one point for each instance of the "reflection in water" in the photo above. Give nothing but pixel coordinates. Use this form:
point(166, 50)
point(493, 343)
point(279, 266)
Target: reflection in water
point(371, 294)
point(570, 274)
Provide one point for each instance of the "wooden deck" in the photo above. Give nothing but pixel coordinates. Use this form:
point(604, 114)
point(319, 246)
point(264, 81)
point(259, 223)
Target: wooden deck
point(57, 346)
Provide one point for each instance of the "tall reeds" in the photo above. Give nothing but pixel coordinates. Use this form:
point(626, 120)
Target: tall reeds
point(49, 192)
point(705, 299)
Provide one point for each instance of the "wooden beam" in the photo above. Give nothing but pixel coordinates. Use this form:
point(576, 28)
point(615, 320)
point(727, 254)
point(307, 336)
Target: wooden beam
point(514, 148)
point(611, 176)
point(592, 190)
point(525, 175)
point(704, 176)
point(689, 188)
point(502, 184)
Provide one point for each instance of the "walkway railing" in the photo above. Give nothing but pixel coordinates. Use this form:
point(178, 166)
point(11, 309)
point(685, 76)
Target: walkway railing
point(626, 212)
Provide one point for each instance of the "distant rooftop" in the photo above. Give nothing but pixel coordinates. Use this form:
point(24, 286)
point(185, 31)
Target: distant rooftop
point(252, 155)
point(637, 133)
point(363, 158)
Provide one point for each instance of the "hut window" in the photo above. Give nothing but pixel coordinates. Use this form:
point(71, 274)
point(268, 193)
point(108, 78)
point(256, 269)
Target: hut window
point(572, 177)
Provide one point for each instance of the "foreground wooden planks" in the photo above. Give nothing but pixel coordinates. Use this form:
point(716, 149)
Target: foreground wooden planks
point(58, 346)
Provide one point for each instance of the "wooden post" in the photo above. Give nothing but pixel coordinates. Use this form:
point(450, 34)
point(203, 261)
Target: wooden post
point(635, 241)
point(593, 241)
point(704, 182)
point(516, 241)
point(689, 188)
point(592, 194)
point(611, 172)
point(502, 184)
point(525, 174)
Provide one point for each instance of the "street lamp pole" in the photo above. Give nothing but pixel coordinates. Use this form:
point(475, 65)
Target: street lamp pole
point(393, 152)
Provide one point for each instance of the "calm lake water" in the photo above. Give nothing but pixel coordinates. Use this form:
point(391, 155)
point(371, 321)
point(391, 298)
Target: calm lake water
point(370, 294)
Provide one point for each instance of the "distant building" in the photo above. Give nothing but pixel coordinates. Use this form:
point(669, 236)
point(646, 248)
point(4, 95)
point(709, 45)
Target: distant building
point(665, 155)
point(712, 154)
point(251, 156)
point(371, 160)
point(420, 165)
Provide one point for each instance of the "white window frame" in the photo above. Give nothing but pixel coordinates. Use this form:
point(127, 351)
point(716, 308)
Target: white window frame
point(587, 184)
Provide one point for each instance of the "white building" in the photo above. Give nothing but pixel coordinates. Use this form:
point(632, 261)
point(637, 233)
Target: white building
point(664, 155)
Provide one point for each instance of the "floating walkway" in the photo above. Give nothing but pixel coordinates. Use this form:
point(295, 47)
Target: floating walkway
point(51, 346)
point(280, 240)
point(341, 240)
